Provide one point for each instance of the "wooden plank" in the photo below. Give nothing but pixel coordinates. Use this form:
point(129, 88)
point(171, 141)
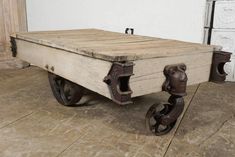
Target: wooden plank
point(85, 71)
point(63, 32)
point(152, 84)
point(81, 42)
point(64, 35)
point(131, 48)
point(22, 15)
point(12, 19)
point(2, 48)
point(90, 72)
point(155, 65)
point(2, 28)
point(139, 54)
point(97, 40)
point(148, 74)
point(77, 37)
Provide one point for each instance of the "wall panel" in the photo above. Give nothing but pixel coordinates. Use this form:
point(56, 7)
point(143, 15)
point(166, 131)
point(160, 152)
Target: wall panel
point(12, 19)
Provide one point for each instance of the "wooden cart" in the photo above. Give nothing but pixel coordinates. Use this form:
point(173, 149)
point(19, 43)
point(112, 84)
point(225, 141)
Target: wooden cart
point(120, 67)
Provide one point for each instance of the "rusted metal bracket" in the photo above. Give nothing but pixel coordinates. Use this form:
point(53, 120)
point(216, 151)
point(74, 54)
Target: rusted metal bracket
point(176, 79)
point(177, 107)
point(13, 46)
point(175, 84)
point(118, 82)
point(218, 75)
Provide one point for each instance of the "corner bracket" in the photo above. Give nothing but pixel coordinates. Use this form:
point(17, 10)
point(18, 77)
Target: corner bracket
point(118, 82)
point(218, 75)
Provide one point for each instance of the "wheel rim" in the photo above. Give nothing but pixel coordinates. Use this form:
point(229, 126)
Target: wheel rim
point(153, 118)
point(66, 92)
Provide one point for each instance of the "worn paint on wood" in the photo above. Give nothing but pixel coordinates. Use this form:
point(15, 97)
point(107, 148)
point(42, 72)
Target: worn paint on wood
point(90, 72)
point(113, 46)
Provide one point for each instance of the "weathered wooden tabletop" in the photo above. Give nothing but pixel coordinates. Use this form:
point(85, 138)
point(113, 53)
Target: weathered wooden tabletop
point(113, 46)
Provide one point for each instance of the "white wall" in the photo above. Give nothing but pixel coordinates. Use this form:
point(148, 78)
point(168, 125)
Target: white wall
point(174, 19)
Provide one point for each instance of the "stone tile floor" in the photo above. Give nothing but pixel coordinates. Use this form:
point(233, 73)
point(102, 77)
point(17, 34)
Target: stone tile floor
point(9, 62)
point(33, 124)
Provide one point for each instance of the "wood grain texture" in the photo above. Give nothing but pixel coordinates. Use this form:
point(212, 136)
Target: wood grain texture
point(2, 28)
point(113, 46)
point(89, 72)
point(12, 19)
point(85, 71)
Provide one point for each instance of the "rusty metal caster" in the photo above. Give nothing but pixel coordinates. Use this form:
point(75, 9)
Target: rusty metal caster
point(161, 118)
point(66, 92)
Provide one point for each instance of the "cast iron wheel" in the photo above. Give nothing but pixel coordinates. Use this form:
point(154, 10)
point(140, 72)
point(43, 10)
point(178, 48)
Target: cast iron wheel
point(66, 92)
point(153, 118)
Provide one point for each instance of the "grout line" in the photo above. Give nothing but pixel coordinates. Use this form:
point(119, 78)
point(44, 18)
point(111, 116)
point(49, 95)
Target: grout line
point(67, 147)
point(75, 141)
point(217, 130)
point(181, 120)
point(17, 120)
